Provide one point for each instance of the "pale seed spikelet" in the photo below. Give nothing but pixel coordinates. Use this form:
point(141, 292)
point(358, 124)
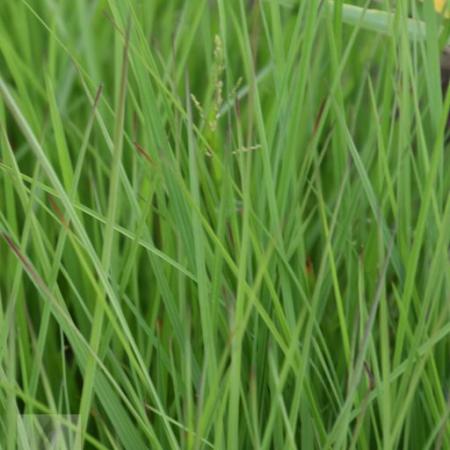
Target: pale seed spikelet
point(251, 148)
point(234, 92)
point(219, 67)
point(198, 106)
point(219, 53)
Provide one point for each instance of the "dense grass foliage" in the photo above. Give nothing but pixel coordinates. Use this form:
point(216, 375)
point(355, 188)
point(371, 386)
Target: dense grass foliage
point(224, 224)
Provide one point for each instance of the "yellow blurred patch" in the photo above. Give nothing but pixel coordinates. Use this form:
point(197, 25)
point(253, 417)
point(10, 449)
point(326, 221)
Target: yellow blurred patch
point(442, 7)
